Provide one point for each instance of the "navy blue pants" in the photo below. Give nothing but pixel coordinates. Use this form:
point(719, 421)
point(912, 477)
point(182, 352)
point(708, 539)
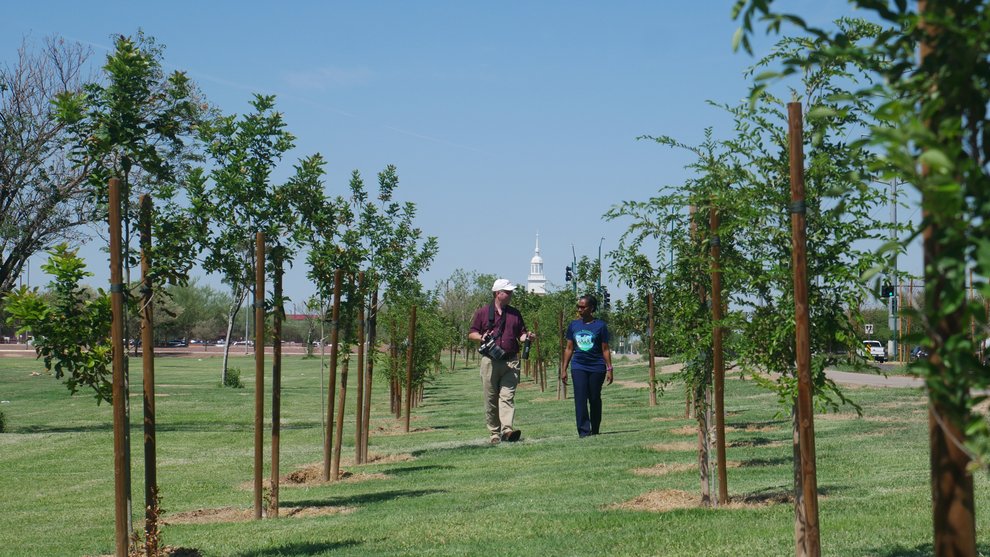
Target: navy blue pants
point(588, 400)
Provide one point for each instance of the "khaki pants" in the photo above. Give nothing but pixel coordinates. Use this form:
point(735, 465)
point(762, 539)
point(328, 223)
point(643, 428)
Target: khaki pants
point(498, 382)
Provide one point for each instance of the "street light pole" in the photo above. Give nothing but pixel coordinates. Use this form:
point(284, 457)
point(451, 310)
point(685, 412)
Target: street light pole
point(599, 285)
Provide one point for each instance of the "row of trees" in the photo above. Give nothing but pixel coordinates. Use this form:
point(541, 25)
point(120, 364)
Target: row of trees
point(210, 176)
point(873, 116)
point(189, 185)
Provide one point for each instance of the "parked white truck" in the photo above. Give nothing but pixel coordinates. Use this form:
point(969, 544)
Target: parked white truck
point(875, 350)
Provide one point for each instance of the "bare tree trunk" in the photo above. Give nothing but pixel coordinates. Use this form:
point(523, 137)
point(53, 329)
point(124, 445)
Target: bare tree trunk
point(800, 516)
point(372, 351)
point(279, 312)
point(359, 395)
point(237, 295)
point(151, 537)
point(703, 408)
point(338, 276)
point(339, 434)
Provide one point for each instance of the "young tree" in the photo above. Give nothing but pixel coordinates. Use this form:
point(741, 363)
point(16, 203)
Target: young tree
point(932, 130)
point(239, 199)
point(70, 327)
point(378, 237)
point(140, 127)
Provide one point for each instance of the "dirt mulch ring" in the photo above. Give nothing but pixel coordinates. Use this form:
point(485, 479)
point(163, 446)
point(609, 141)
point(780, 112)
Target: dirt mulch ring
point(234, 514)
point(170, 551)
point(749, 428)
point(663, 468)
point(847, 416)
point(312, 474)
point(672, 499)
point(879, 433)
point(755, 443)
point(398, 427)
point(671, 419)
point(673, 447)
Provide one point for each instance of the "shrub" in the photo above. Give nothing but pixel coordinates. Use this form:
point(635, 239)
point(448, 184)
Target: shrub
point(233, 378)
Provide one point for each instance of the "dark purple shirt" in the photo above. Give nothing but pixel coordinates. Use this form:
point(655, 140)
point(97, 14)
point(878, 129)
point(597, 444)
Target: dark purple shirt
point(514, 327)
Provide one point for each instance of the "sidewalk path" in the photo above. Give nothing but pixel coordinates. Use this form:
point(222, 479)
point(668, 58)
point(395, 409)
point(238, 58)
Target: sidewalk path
point(871, 380)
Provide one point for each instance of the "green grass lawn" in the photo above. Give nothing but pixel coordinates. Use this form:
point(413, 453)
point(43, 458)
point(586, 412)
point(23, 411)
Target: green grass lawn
point(442, 490)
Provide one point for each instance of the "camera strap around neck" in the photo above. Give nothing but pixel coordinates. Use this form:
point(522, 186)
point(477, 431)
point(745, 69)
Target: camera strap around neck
point(491, 319)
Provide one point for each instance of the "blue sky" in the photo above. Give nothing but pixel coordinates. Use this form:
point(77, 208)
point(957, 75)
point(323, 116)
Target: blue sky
point(504, 119)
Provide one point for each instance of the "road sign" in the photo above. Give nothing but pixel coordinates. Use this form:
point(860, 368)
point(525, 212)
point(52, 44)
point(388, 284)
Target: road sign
point(869, 328)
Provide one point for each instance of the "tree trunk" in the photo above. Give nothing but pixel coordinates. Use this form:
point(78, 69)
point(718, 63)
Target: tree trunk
point(237, 296)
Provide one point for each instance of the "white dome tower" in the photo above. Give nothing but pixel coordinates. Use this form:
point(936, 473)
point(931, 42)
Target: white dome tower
point(537, 281)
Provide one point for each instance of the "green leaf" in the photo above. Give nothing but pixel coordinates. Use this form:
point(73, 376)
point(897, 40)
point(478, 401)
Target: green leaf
point(936, 160)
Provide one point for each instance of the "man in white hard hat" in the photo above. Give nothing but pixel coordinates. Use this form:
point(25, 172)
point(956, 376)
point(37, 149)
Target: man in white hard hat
point(500, 329)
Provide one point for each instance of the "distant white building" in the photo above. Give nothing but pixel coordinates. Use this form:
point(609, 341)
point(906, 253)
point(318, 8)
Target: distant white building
point(537, 281)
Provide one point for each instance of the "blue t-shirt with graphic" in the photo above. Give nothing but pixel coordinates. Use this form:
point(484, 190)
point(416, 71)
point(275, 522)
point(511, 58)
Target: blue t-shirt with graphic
point(588, 339)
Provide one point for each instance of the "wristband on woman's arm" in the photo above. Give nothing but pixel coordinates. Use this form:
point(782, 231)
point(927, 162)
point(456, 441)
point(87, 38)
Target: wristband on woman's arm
point(609, 368)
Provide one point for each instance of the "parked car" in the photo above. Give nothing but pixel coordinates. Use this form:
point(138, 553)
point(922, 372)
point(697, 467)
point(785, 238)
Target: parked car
point(875, 350)
point(177, 343)
point(243, 342)
point(919, 352)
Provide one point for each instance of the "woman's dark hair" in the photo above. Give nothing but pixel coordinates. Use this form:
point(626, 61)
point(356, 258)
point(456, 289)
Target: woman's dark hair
point(591, 301)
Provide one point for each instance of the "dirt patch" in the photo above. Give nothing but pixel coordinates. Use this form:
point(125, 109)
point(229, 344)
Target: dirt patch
point(312, 474)
point(674, 447)
point(663, 469)
point(901, 404)
point(234, 514)
point(659, 501)
point(748, 428)
point(670, 419)
point(755, 443)
point(633, 384)
point(846, 416)
point(753, 428)
point(672, 499)
point(172, 551)
point(880, 433)
point(392, 427)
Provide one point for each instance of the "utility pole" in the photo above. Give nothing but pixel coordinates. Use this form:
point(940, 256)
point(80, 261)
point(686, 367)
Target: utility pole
point(892, 300)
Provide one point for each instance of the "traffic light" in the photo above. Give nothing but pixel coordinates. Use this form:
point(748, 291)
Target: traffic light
point(570, 274)
point(607, 297)
point(887, 291)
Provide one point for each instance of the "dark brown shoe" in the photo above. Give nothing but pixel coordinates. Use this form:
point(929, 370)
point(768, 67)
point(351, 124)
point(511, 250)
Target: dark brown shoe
point(512, 435)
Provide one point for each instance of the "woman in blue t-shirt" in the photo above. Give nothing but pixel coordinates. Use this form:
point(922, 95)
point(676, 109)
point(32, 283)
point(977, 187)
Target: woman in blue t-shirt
point(591, 364)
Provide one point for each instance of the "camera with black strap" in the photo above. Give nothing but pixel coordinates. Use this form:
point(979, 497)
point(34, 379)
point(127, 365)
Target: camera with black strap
point(489, 343)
